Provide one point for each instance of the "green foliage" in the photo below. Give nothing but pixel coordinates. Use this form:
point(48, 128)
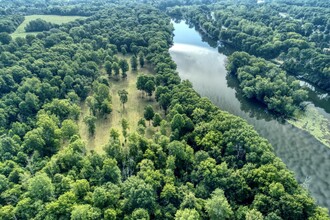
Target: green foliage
point(148, 113)
point(82, 212)
point(141, 60)
point(189, 214)
point(165, 101)
point(146, 83)
point(108, 67)
point(275, 30)
point(5, 38)
point(91, 124)
point(265, 82)
point(156, 120)
point(106, 196)
point(149, 87)
point(110, 171)
point(116, 69)
point(110, 214)
point(140, 214)
point(218, 207)
point(39, 25)
point(10, 23)
point(124, 67)
point(134, 63)
point(123, 96)
point(254, 215)
point(41, 187)
point(176, 173)
point(80, 188)
point(138, 194)
point(125, 126)
point(62, 207)
point(69, 128)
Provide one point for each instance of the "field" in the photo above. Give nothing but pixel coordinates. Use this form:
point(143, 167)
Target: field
point(132, 112)
point(56, 19)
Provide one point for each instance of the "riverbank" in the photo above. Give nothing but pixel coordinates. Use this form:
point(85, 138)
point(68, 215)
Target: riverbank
point(302, 153)
point(314, 123)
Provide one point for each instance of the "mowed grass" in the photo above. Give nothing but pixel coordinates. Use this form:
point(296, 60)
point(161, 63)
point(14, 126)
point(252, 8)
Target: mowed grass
point(56, 19)
point(133, 111)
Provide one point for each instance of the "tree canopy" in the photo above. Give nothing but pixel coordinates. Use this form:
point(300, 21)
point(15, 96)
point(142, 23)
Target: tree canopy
point(203, 163)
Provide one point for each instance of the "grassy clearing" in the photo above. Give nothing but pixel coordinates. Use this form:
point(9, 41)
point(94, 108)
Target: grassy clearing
point(132, 112)
point(314, 123)
point(56, 19)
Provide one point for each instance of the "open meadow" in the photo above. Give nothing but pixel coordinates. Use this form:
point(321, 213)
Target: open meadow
point(56, 19)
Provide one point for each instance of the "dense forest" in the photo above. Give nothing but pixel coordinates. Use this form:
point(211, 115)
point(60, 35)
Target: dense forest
point(295, 36)
point(201, 163)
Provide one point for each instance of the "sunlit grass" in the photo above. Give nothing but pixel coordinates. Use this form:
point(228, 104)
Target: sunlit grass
point(56, 19)
point(132, 112)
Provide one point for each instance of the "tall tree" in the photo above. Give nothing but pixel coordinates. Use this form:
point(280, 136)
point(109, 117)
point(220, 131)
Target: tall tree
point(125, 126)
point(150, 87)
point(165, 101)
point(187, 214)
point(141, 59)
point(108, 67)
point(124, 67)
point(123, 96)
point(91, 124)
point(116, 68)
point(218, 207)
point(41, 187)
point(156, 120)
point(134, 63)
point(149, 113)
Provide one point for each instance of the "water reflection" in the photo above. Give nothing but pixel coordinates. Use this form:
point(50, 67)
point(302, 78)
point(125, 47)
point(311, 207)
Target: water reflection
point(253, 108)
point(300, 151)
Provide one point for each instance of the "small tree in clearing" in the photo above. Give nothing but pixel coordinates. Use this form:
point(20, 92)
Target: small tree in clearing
point(149, 113)
point(123, 95)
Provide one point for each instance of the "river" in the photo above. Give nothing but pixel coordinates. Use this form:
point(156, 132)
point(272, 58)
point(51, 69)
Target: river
point(204, 66)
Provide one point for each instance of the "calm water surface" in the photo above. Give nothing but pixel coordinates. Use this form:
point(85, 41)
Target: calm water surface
point(204, 66)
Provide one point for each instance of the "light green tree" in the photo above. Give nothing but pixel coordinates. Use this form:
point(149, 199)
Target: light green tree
point(218, 207)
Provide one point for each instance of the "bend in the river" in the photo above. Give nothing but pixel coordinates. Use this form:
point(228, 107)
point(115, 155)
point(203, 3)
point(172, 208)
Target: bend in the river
point(299, 150)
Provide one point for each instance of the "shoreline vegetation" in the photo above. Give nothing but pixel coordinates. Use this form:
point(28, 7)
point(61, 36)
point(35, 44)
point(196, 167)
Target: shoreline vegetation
point(289, 41)
point(299, 115)
point(314, 123)
point(199, 161)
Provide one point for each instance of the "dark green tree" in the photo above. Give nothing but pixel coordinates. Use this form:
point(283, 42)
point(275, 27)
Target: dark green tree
point(149, 87)
point(134, 63)
point(123, 96)
point(41, 187)
point(156, 120)
point(108, 67)
point(116, 68)
point(148, 113)
point(91, 124)
point(124, 67)
point(141, 59)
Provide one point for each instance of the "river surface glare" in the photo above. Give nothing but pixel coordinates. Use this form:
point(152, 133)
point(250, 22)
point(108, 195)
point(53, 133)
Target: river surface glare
point(204, 66)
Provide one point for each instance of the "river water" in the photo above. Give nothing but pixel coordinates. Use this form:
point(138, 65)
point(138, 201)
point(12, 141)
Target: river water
point(204, 66)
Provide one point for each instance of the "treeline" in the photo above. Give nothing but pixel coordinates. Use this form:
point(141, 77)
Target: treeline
point(264, 81)
point(39, 25)
point(10, 23)
point(201, 160)
point(296, 37)
point(53, 7)
point(314, 3)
